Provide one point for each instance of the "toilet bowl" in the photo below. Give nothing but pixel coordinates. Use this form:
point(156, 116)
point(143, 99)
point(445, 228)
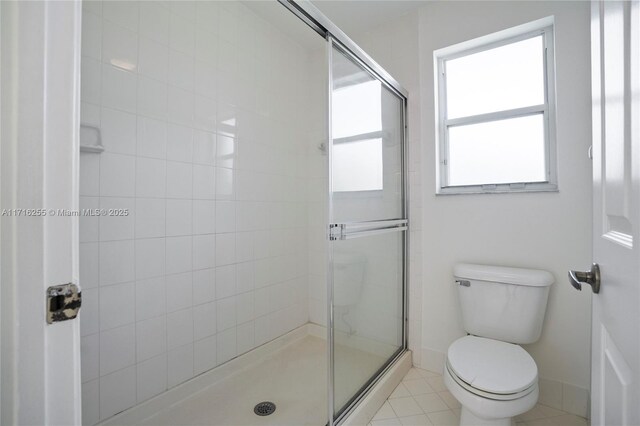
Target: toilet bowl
point(493, 380)
point(487, 371)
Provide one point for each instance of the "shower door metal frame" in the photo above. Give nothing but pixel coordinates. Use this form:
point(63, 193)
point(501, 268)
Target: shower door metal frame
point(364, 229)
point(335, 37)
point(312, 16)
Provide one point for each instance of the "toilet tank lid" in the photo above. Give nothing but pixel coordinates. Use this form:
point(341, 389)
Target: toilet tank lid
point(503, 274)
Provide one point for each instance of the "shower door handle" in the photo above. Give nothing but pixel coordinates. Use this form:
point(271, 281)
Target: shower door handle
point(347, 231)
point(371, 232)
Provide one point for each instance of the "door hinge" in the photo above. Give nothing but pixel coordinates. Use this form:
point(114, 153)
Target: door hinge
point(63, 302)
point(336, 231)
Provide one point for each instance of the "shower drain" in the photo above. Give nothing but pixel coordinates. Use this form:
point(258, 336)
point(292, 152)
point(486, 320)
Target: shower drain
point(264, 408)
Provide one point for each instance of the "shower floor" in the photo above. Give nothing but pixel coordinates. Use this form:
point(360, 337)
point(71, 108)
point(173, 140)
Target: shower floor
point(290, 372)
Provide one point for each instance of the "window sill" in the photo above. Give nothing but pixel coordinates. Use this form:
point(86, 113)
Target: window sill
point(348, 195)
point(498, 189)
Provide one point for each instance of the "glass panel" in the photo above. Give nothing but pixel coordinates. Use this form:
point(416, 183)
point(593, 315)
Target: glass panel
point(367, 272)
point(505, 151)
point(367, 310)
point(506, 77)
point(367, 145)
point(357, 108)
point(357, 166)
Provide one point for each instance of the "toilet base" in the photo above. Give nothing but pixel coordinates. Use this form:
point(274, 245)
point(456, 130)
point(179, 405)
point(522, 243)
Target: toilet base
point(495, 412)
point(467, 418)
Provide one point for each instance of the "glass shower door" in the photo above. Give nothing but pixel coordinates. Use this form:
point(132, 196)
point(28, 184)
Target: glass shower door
point(367, 231)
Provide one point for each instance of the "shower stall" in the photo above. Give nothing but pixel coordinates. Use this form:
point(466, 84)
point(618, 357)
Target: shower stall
point(248, 161)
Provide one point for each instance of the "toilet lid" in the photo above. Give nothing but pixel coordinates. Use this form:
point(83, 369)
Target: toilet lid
point(491, 365)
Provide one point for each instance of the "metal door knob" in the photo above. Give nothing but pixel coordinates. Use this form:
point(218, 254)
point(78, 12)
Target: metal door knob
point(592, 277)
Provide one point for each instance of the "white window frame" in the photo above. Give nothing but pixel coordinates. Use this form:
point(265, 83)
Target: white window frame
point(544, 27)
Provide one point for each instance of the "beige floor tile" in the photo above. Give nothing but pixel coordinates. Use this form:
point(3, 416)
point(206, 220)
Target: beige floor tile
point(444, 418)
point(449, 399)
point(418, 386)
point(419, 420)
point(404, 407)
point(550, 411)
point(400, 392)
point(436, 383)
point(385, 412)
point(413, 374)
point(569, 420)
point(386, 422)
point(535, 413)
point(431, 402)
point(442, 408)
point(541, 422)
point(428, 373)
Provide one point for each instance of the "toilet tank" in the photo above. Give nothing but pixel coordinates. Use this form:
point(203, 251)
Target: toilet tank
point(503, 303)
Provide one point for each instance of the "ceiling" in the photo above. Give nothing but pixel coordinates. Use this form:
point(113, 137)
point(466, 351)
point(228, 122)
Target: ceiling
point(351, 16)
point(278, 16)
point(357, 16)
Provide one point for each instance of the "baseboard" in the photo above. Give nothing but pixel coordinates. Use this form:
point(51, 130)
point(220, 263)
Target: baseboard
point(417, 356)
point(316, 330)
point(432, 360)
point(562, 396)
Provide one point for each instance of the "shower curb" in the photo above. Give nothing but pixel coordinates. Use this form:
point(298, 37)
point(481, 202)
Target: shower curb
point(371, 403)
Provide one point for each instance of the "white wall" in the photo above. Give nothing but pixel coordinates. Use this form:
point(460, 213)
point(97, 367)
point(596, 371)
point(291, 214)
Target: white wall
point(202, 109)
point(546, 230)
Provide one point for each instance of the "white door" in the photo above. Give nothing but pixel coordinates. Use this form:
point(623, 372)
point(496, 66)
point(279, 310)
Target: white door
point(40, 382)
point(615, 364)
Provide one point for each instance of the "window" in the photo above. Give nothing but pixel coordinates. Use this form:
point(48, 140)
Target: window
point(357, 165)
point(495, 112)
point(357, 137)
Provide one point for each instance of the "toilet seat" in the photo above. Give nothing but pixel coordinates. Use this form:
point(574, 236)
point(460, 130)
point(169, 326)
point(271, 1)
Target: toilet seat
point(489, 395)
point(491, 368)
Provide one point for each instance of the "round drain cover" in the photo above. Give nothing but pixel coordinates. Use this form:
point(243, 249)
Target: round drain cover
point(264, 408)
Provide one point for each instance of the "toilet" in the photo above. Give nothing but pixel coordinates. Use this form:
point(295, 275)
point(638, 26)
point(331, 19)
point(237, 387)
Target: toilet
point(487, 371)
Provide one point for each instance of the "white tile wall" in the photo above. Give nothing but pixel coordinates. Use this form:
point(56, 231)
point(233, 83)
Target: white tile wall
point(209, 159)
